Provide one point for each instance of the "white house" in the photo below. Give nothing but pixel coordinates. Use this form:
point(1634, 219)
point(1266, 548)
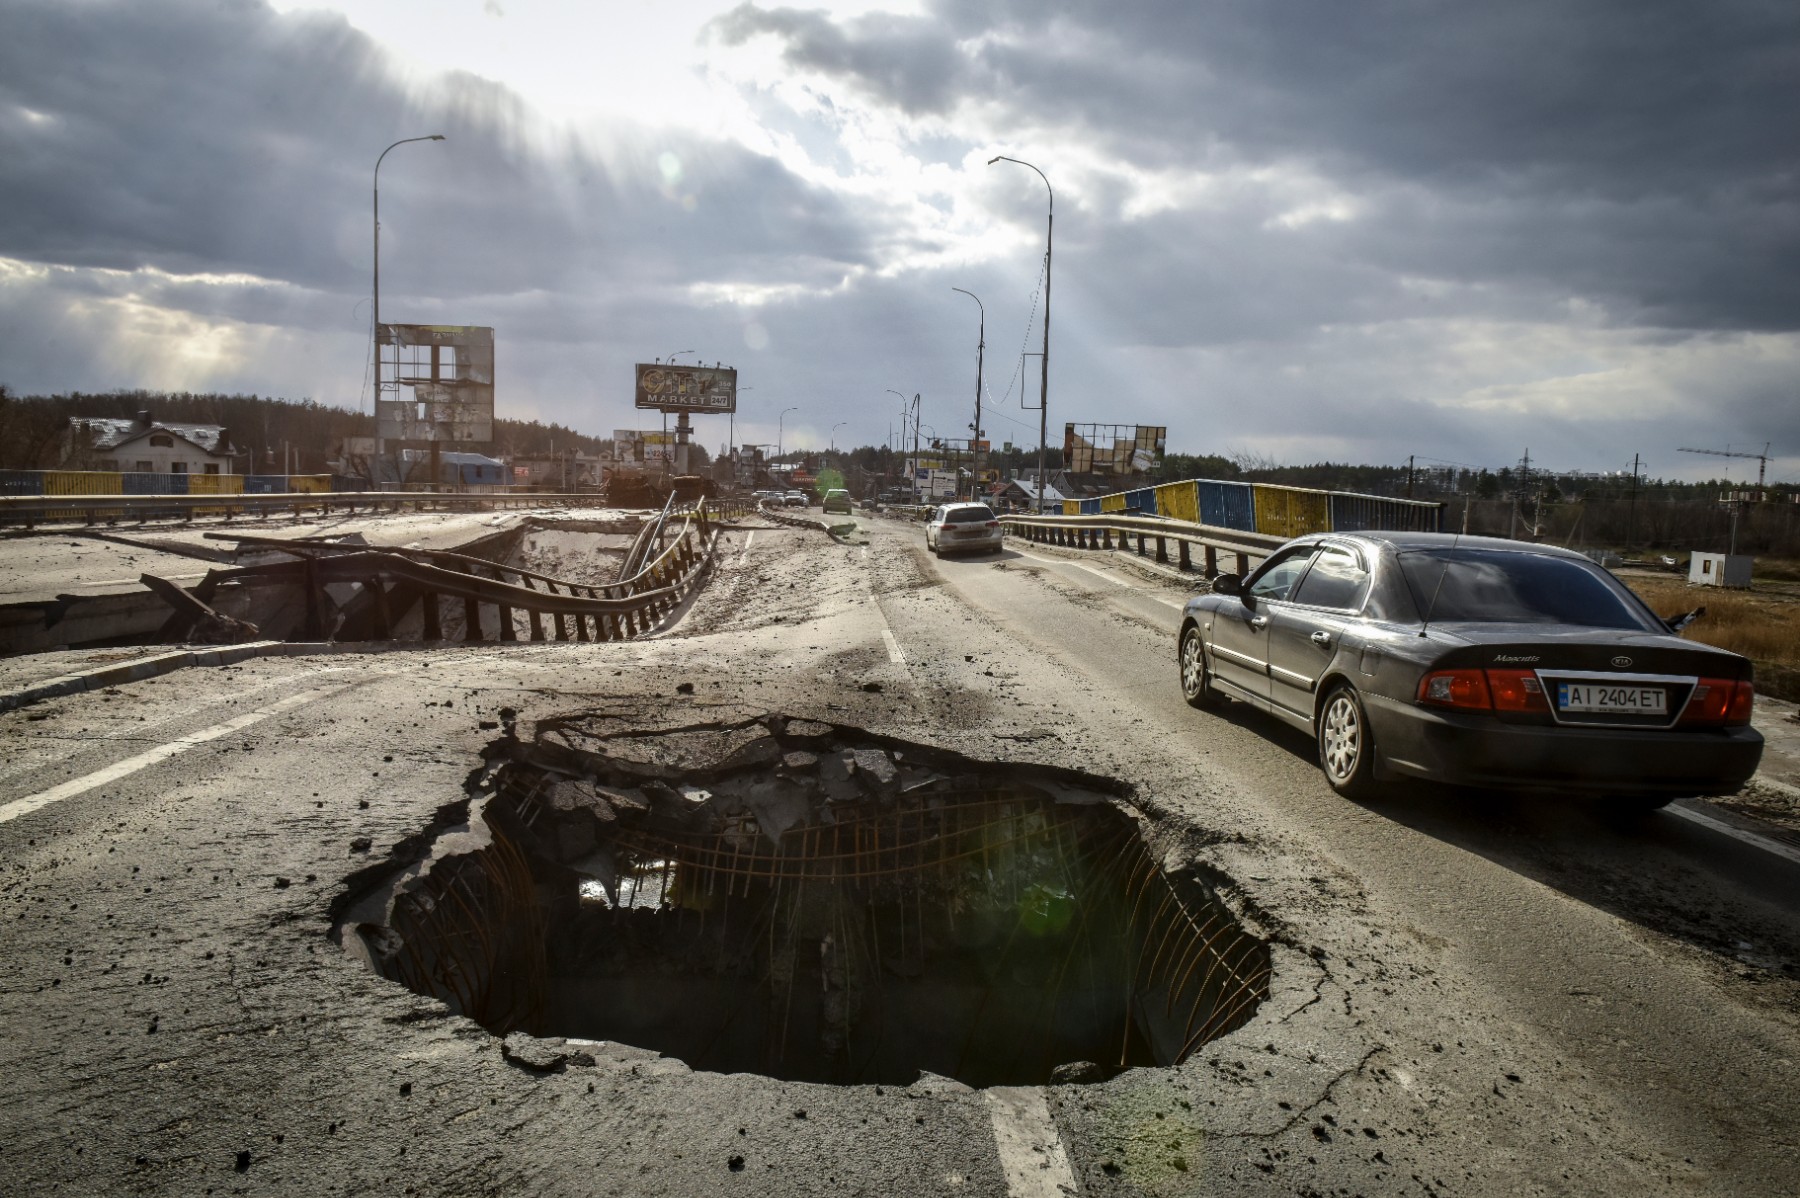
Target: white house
point(149, 446)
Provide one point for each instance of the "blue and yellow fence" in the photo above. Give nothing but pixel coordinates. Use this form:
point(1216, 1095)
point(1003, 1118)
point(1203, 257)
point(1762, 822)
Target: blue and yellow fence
point(135, 482)
point(1265, 508)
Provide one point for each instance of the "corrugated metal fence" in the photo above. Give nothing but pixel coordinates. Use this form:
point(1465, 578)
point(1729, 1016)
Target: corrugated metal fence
point(1266, 508)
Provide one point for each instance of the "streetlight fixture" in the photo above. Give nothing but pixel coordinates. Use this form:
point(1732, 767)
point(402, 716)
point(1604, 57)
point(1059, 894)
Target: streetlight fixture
point(779, 420)
point(980, 354)
point(678, 352)
point(375, 310)
point(914, 481)
point(834, 429)
point(1044, 386)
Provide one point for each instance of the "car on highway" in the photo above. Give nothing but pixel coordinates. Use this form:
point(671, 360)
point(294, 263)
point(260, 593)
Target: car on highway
point(1473, 661)
point(836, 500)
point(963, 527)
point(794, 498)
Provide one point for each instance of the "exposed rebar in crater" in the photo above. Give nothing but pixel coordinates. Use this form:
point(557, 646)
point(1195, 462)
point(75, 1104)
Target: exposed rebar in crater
point(814, 903)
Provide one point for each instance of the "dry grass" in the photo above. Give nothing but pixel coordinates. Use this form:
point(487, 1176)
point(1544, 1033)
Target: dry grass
point(1763, 626)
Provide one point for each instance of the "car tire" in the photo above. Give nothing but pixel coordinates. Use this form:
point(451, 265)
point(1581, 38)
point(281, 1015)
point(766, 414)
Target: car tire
point(1195, 677)
point(1346, 744)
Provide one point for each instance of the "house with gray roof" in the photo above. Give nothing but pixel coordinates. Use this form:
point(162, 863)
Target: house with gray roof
point(146, 445)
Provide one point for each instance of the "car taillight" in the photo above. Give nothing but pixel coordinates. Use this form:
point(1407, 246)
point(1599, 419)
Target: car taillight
point(993, 524)
point(1484, 690)
point(1517, 690)
point(1465, 689)
point(1719, 702)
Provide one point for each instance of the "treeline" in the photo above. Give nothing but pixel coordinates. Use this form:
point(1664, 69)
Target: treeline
point(34, 428)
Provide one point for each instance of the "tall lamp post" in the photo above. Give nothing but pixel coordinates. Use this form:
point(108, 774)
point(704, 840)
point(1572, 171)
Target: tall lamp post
point(913, 482)
point(980, 354)
point(376, 307)
point(1044, 386)
point(834, 429)
point(779, 421)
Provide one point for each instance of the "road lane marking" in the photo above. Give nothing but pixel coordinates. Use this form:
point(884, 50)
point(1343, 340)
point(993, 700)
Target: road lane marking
point(1031, 1151)
point(748, 537)
point(131, 765)
point(893, 646)
point(1720, 826)
point(1118, 582)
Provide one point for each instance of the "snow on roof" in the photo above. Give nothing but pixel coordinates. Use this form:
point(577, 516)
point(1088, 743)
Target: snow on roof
point(111, 432)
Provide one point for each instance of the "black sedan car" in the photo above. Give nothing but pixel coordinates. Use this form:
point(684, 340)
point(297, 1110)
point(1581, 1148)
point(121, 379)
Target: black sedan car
point(1472, 661)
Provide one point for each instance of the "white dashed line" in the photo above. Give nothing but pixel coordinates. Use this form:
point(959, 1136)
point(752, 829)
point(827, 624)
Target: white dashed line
point(132, 765)
point(1720, 826)
point(749, 537)
point(1031, 1151)
point(893, 647)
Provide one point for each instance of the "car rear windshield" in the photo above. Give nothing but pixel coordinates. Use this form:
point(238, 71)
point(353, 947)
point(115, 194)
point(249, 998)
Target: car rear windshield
point(1499, 587)
point(967, 515)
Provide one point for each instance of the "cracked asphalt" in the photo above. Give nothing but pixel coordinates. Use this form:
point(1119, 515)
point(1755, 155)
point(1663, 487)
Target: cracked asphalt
point(1472, 994)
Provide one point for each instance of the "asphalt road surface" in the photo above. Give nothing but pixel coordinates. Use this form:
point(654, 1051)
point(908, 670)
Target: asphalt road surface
point(1472, 994)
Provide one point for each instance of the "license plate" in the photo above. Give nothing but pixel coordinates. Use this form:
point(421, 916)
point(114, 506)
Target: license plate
point(1615, 700)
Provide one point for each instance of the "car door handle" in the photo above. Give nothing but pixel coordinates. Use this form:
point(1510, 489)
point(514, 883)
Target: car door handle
point(1259, 621)
point(1322, 639)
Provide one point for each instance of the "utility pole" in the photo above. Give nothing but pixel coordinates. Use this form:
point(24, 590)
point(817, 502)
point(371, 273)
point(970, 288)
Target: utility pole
point(1409, 476)
point(1631, 508)
point(916, 415)
point(1524, 481)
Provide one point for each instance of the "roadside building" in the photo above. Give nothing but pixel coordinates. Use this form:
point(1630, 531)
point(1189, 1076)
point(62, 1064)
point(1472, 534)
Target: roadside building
point(560, 471)
point(463, 471)
point(1021, 494)
point(145, 445)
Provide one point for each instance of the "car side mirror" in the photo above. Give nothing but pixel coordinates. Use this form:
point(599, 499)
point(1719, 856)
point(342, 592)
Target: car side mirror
point(1228, 584)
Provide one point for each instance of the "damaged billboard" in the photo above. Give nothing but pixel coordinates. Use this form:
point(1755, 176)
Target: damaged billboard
point(1113, 448)
point(436, 383)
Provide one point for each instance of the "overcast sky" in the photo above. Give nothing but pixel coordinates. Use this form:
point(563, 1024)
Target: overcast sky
point(1299, 230)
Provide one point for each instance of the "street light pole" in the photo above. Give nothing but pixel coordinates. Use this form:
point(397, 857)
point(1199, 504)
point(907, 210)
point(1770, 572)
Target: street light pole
point(913, 481)
point(834, 429)
point(779, 421)
point(1044, 386)
point(980, 354)
point(375, 312)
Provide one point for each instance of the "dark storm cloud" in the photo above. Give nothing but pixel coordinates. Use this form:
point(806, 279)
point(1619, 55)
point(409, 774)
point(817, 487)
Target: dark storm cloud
point(196, 137)
point(1639, 155)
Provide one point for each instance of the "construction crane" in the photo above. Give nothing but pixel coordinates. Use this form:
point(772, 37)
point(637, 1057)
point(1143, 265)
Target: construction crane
point(1762, 459)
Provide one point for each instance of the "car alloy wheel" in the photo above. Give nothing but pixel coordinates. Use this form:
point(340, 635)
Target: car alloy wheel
point(1194, 678)
point(1346, 746)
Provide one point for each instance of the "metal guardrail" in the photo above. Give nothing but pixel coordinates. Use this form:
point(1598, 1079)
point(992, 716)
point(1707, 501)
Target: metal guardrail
point(1151, 537)
point(31, 510)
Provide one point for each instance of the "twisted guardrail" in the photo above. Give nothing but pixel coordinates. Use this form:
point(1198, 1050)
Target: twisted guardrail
point(396, 581)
